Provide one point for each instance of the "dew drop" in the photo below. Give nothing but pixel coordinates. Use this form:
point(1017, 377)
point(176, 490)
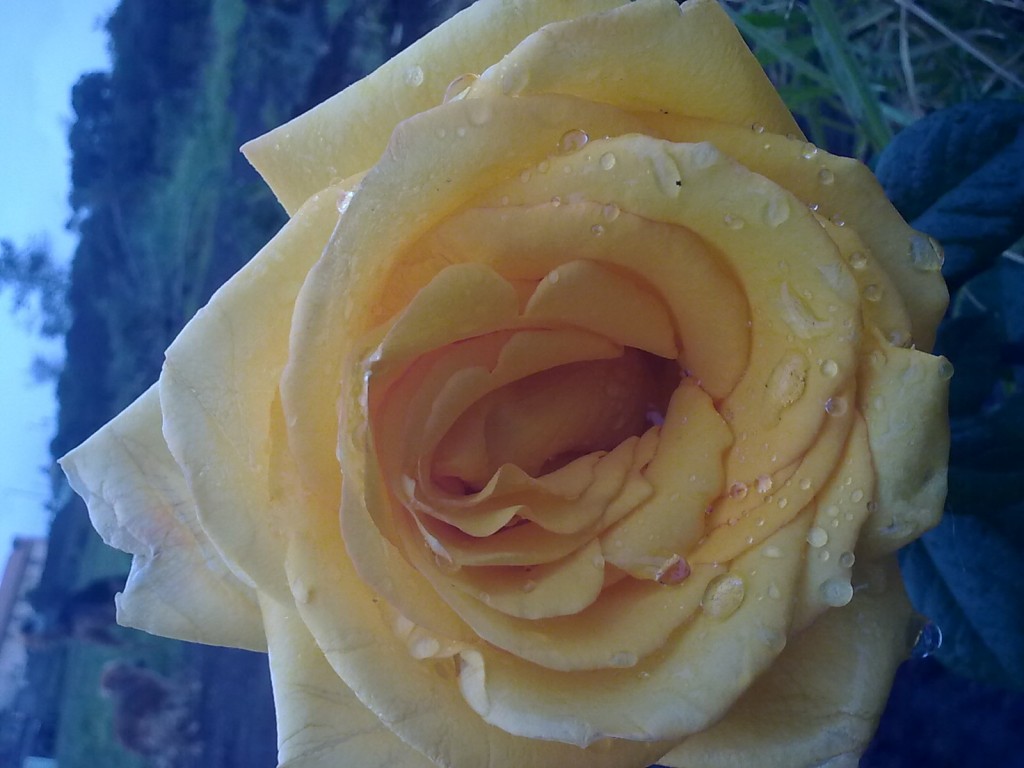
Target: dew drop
point(836, 406)
point(787, 382)
point(525, 176)
point(813, 207)
point(529, 586)
point(817, 537)
point(837, 220)
point(704, 155)
point(738, 490)
point(872, 292)
point(610, 212)
point(826, 177)
point(808, 151)
point(857, 496)
point(622, 659)
point(733, 222)
point(479, 111)
point(926, 254)
point(556, 201)
point(829, 368)
point(514, 80)
point(607, 161)
point(764, 484)
point(928, 641)
point(776, 211)
point(783, 502)
point(723, 596)
point(858, 260)
point(832, 511)
point(572, 141)
point(543, 166)
point(675, 570)
point(457, 88)
point(836, 592)
point(847, 559)
point(805, 484)
point(345, 201)
point(414, 76)
point(553, 276)
point(945, 369)
point(757, 128)
point(823, 554)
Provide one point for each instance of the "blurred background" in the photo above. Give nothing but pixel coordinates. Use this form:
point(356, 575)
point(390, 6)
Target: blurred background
point(125, 204)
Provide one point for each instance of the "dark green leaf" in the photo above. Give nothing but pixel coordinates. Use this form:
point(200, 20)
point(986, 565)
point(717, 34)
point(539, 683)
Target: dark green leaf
point(966, 576)
point(958, 175)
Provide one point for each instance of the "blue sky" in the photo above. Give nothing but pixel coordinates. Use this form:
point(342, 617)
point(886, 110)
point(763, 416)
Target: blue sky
point(44, 46)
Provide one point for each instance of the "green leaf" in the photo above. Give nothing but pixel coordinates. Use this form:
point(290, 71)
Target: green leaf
point(958, 175)
point(965, 576)
point(853, 87)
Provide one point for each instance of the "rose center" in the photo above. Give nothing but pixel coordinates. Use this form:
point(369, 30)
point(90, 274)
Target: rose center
point(542, 422)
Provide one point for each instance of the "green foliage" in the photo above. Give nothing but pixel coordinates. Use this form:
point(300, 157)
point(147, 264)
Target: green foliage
point(32, 275)
point(856, 73)
point(959, 176)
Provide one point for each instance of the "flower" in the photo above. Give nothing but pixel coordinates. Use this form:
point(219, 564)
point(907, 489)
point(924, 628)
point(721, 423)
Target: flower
point(575, 424)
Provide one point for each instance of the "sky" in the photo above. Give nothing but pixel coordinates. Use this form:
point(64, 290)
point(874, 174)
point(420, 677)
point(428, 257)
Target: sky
point(44, 46)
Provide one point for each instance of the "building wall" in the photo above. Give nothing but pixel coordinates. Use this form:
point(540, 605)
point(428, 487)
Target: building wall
point(24, 567)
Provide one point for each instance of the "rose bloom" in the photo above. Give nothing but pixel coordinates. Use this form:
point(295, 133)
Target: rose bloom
point(574, 418)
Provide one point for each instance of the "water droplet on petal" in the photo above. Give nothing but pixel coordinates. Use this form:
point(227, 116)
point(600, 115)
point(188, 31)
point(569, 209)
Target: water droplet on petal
point(553, 276)
point(826, 177)
point(675, 570)
point(733, 222)
point(805, 484)
point(926, 254)
point(836, 592)
point(529, 586)
point(764, 484)
point(738, 490)
point(413, 76)
point(945, 369)
point(817, 537)
point(928, 641)
point(808, 151)
point(607, 161)
point(479, 111)
point(344, 201)
point(776, 211)
point(457, 88)
point(829, 368)
point(723, 596)
point(623, 659)
point(572, 141)
point(872, 292)
point(757, 128)
point(837, 220)
point(556, 201)
point(597, 229)
point(610, 212)
point(858, 260)
point(836, 406)
point(857, 496)
point(847, 559)
point(514, 80)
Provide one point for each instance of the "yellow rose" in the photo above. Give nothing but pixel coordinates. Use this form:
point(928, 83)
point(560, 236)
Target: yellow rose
point(576, 424)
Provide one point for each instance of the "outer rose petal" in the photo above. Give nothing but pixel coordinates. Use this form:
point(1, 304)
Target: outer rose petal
point(347, 133)
point(819, 703)
point(138, 500)
point(219, 382)
point(320, 722)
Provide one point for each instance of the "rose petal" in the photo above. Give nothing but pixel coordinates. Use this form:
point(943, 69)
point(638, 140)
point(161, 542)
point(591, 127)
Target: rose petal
point(347, 133)
point(606, 58)
point(139, 502)
point(320, 722)
point(688, 683)
point(843, 188)
point(903, 399)
point(219, 381)
point(820, 701)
